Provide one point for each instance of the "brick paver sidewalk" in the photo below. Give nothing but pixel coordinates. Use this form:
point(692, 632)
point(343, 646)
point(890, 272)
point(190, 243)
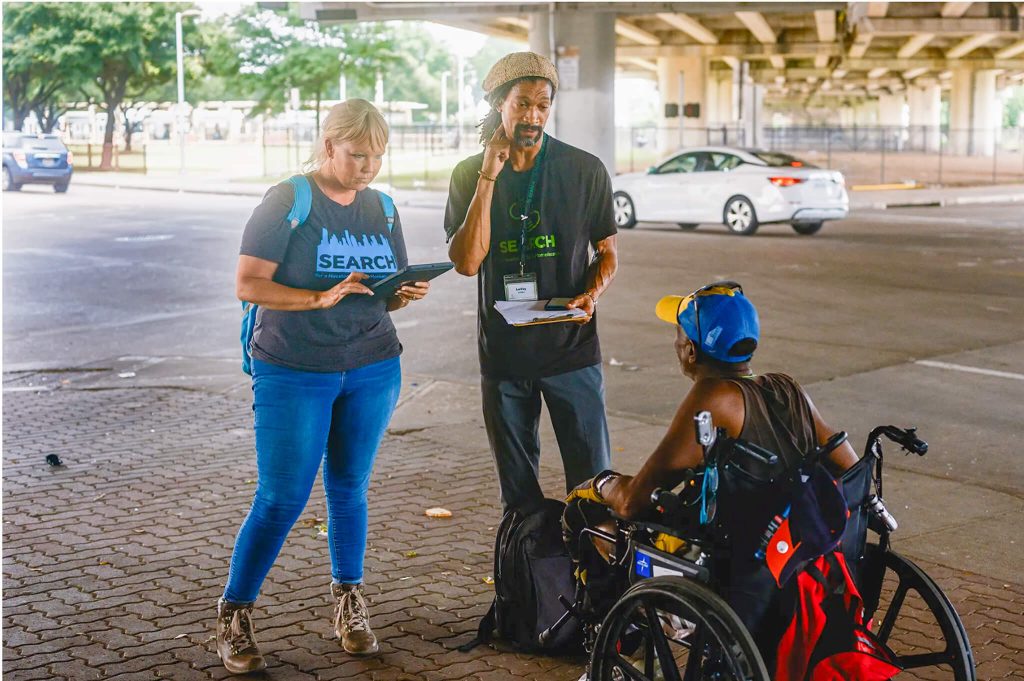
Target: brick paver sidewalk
point(112, 563)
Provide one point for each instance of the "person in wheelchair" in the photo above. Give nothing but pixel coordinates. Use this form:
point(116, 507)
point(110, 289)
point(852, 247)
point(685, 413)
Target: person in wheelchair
point(717, 333)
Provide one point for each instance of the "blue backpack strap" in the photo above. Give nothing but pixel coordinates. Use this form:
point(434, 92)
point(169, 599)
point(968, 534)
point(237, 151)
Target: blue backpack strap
point(302, 202)
point(301, 205)
point(388, 204)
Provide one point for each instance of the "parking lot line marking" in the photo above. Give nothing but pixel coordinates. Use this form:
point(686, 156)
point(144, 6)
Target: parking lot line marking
point(970, 370)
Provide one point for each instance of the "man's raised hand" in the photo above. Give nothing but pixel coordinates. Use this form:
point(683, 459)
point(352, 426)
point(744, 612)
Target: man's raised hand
point(496, 152)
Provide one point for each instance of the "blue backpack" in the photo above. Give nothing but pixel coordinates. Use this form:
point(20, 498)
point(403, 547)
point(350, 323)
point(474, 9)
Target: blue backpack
point(296, 217)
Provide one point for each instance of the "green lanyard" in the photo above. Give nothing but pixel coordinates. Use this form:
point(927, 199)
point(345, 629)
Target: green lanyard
point(525, 216)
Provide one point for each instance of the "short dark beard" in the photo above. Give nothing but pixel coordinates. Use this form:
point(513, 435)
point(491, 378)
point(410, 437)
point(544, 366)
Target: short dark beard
point(525, 141)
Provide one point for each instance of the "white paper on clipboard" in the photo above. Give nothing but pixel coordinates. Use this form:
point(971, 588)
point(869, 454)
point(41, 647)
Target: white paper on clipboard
point(523, 312)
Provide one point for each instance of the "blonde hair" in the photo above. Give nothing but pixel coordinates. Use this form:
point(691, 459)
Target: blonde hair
point(354, 120)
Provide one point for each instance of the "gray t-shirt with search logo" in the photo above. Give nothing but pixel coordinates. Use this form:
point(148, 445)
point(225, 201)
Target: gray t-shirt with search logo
point(334, 241)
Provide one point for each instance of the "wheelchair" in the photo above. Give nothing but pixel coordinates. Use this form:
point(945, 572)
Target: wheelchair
point(672, 623)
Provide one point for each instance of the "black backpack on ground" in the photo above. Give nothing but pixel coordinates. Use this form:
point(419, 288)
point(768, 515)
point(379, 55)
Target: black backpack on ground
point(532, 568)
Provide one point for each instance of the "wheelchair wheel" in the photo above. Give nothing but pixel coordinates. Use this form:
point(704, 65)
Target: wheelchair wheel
point(915, 619)
point(674, 629)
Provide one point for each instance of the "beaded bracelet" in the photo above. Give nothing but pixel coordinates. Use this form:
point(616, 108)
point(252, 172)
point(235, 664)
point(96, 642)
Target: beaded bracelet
point(486, 177)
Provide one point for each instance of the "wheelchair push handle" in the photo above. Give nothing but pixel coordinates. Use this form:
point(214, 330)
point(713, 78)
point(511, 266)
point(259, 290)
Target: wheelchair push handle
point(904, 438)
point(755, 452)
point(824, 450)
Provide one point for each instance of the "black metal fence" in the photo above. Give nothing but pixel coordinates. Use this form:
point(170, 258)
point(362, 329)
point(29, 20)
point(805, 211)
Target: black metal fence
point(424, 155)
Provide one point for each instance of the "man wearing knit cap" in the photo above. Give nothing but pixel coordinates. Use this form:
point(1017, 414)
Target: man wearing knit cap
point(531, 217)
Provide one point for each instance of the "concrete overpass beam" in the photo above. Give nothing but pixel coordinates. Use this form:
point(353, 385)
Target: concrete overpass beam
point(584, 112)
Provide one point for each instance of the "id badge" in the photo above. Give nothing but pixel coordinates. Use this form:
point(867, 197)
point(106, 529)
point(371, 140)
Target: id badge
point(521, 286)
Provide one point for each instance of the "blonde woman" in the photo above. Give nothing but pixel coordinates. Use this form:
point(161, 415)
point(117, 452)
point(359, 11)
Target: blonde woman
point(325, 371)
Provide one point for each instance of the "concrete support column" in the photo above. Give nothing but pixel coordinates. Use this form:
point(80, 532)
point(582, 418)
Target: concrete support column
point(890, 118)
point(541, 36)
point(890, 110)
point(925, 108)
point(541, 41)
point(866, 113)
point(750, 112)
point(721, 93)
point(973, 112)
point(985, 112)
point(729, 97)
point(710, 110)
point(847, 118)
point(960, 112)
point(682, 80)
point(584, 111)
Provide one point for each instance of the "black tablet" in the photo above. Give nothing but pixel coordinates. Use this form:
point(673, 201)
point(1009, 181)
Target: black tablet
point(388, 285)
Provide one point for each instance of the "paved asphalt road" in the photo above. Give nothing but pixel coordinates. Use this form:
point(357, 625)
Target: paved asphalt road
point(909, 316)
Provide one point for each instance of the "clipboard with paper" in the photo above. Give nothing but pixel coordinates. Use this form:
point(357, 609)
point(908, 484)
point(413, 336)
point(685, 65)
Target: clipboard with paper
point(530, 312)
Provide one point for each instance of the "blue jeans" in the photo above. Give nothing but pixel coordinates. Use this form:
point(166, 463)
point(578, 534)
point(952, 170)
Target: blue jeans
point(575, 402)
point(301, 419)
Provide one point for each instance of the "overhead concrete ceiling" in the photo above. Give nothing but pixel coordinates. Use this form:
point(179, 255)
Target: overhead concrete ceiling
point(814, 49)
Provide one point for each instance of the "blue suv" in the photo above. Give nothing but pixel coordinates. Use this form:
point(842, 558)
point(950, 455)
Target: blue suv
point(36, 159)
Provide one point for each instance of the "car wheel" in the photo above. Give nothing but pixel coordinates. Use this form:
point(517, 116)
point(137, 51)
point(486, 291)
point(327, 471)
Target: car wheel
point(625, 213)
point(807, 228)
point(9, 184)
point(740, 217)
point(688, 226)
point(60, 188)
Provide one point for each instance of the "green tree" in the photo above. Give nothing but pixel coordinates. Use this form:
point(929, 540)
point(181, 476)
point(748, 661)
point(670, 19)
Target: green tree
point(43, 66)
point(1013, 112)
point(417, 76)
point(131, 47)
point(272, 53)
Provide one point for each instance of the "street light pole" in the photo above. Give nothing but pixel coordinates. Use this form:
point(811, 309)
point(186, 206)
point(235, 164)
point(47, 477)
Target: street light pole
point(444, 107)
point(181, 83)
point(462, 86)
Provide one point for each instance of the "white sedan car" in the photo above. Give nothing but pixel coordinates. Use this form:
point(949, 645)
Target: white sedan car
point(740, 188)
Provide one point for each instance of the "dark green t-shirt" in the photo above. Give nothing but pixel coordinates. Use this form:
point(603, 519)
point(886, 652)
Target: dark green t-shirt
point(571, 211)
point(334, 241)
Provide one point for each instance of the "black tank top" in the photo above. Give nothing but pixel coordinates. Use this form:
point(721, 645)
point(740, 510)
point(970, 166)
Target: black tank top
point(778, 418)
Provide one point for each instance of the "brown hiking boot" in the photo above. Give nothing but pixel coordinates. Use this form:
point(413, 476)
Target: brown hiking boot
point(352, 620)
point(236, 642)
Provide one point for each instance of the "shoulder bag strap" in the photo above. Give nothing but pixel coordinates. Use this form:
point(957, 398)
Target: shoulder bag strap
point(302, 202)
point(388, 204)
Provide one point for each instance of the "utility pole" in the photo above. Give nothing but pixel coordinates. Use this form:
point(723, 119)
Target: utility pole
point(444, 106)
point(181, 84)
point(462, 87)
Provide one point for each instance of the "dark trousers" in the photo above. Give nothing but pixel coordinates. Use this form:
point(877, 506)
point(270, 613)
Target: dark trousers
point(575, 402)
